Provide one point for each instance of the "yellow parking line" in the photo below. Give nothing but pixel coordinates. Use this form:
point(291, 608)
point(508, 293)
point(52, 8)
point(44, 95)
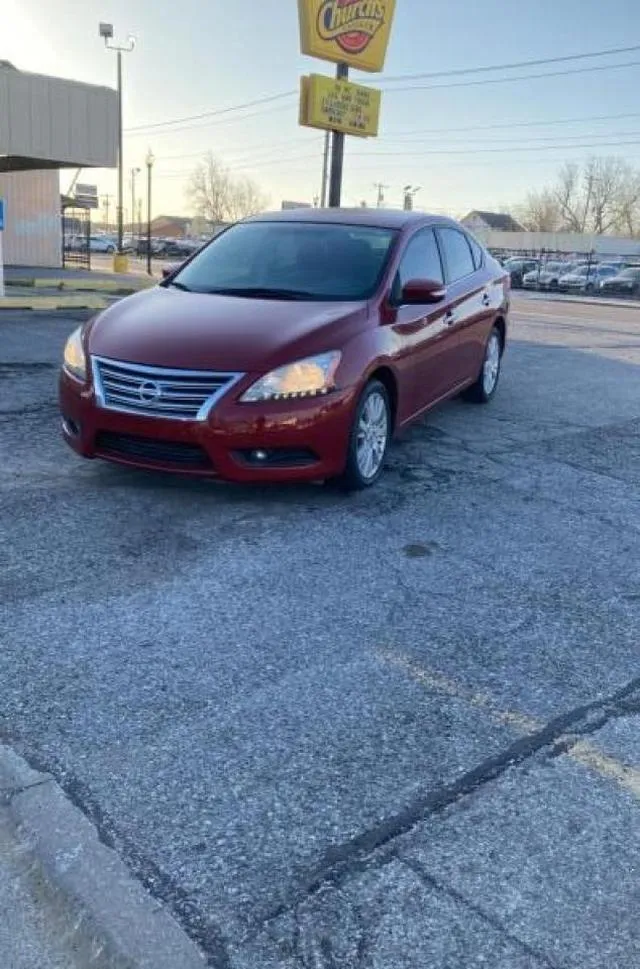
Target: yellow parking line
point(53, 302)
point(582, 751)
point(627, 777)
point(103, 285)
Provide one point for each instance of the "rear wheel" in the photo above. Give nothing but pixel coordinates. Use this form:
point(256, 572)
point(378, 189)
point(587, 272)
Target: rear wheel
point(369, 438)
point(485, 386)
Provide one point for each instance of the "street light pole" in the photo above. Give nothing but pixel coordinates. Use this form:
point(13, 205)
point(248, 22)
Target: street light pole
point(149, 160)
point(106, 32)
point(134, 172)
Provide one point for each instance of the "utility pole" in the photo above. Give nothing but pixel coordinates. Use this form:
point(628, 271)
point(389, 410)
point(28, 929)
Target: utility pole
point(106, 32)
point(139, 218)
point(325, 169)
point(106, 204)
point(380, 199)
point(149, 160)
point(337, 152)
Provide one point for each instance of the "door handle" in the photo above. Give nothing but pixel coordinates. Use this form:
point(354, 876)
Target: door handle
point(449, 317)
point(486, 299)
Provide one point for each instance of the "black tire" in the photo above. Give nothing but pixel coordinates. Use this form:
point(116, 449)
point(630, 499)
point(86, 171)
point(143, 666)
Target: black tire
point(553, 284)
point(110, 250)
point(479, 392)
point(588, 288)
point(353, 478)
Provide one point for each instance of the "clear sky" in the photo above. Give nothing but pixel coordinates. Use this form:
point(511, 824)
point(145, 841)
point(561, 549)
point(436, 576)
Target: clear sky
point(195, 56)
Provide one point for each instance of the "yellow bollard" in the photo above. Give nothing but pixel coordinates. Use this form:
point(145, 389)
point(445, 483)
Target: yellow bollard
point(120, 263)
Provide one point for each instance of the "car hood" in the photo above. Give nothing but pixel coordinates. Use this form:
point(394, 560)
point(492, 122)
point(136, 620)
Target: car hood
point(573, 278)
point(169, 328)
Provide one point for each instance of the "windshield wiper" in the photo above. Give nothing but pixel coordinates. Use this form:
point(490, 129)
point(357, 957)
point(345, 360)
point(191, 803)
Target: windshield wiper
point(185, 289)
point(262, 292)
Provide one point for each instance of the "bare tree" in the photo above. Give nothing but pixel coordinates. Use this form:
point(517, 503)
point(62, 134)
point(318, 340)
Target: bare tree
point(217, 196)
point(246, 198)
point(602, 196)
point(605, 179)
point(540, 212)
point(570, 198)
point(628, 205)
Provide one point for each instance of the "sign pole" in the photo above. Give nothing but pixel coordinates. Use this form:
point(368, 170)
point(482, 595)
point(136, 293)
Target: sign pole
point(325, 169)
point(337, 152)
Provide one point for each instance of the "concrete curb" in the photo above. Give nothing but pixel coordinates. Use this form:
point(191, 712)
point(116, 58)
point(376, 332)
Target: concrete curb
point(627, 304)
point(104, 909)
point(88, 302)
point(114, 286)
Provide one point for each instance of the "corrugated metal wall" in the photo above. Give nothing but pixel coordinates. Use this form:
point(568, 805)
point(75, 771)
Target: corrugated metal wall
point(32, 234)
point(52, 120)
point(559, 242)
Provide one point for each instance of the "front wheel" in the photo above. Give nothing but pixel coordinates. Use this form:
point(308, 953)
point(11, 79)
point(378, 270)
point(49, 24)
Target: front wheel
point(369, 438)
point(485, 386)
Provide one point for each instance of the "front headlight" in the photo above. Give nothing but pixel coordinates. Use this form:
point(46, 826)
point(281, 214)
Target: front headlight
point(74, 358)
point(304, 378)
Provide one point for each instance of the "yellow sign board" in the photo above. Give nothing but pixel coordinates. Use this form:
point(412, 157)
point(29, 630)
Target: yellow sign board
point(339, 106)
point(353, 32)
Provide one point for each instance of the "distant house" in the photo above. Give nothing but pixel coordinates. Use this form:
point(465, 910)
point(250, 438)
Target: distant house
point(478, 221)
point(170, 227)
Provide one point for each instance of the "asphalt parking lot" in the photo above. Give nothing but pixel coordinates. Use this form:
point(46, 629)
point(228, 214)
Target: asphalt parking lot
point(397, 729)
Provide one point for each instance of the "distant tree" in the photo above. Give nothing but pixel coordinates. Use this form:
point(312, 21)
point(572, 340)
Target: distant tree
point(540, 212)
point(628, 205)
point(216, 195)
point(602, 196)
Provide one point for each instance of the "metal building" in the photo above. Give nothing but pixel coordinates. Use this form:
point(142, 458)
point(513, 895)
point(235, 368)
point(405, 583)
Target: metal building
point(47, 123)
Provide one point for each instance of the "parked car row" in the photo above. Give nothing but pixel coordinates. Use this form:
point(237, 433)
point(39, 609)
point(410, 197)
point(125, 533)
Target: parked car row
point(582, 276)
point(137, 245)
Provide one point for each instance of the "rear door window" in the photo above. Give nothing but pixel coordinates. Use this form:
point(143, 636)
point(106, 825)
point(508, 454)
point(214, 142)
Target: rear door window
point(457, 253)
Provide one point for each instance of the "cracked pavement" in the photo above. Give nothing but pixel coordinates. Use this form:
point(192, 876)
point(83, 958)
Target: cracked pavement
point(397, 729)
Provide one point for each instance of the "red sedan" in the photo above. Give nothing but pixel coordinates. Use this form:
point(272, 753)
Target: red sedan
point(290, 348)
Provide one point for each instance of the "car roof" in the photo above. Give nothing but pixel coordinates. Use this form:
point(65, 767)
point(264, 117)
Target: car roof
point(379, 218)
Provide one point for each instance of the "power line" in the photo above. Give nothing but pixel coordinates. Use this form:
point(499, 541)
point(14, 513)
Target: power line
point(373, 156)
point(391, 136)
point(508, 141)
point(215, 113)
point(513, 124)
point(509, 80)
point(213, 124)
point(450, 73)
point(514, 65)
point(474, 150)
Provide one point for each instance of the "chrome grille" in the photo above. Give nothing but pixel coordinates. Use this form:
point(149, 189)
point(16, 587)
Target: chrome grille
point(185, 395)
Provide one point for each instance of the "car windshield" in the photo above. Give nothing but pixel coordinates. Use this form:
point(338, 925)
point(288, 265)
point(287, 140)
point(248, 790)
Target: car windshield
point(291, 260)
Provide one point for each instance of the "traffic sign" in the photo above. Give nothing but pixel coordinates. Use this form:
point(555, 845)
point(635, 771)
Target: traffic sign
point(1, 214)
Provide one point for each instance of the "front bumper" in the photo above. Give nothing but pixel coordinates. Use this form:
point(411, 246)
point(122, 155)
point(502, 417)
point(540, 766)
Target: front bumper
point(303, 439)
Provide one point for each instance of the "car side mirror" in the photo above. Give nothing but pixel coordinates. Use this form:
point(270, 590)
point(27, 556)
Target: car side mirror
point(170, 270)
point(418, 291)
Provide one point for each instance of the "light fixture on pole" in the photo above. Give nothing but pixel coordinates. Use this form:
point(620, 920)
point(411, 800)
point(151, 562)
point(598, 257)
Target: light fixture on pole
point(149, 162)
point(409, 192)
point(106, 32)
